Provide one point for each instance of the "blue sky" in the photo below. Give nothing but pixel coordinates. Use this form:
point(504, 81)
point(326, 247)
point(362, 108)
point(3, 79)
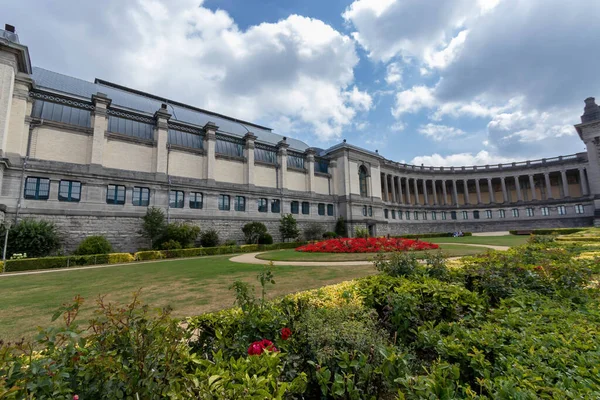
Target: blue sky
point(436, 82)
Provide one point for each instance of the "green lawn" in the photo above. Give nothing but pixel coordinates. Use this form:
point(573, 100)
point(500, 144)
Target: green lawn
point(508, 240)
point(293, 255)
point(190, 286)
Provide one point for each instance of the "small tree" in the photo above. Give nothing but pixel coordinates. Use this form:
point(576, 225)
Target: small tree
point(32, 237)
point(340, 227)
point(154, 224)
point(184, 234)
point(253, 231)
point(361, 232)
point(209, 238)
point(314, 231)
point(289, 227)
point(93, 245)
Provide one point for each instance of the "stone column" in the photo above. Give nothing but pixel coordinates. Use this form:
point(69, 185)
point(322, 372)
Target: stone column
point(416, 187)
point(532, 187)
point(435, 198)
point(425, 196)
point(504, 192)
point(161, 138)
point(8, 71)
point(478, 190)
point(401, 196)
point(444, 193)
point(394, 196)
point(583, 182)
point(466, 191)
point(491, 191)
point(282, 147)
point(210, 140)
point(518, 186)
point(589, 133)
point(565, 183)
point(20, 117)
point(100, 125)
point(249, 156)
point(548, 187)
point(386, 193)
point(310, 169)
point(454, 193)
point(408, 199)
point(333, 170)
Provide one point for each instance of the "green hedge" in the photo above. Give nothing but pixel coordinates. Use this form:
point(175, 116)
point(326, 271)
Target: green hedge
point(430, 235)
point(29, 264)
point(552, 231)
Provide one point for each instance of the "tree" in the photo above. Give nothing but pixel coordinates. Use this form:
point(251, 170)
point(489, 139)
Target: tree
point(340, 227)
point(154, 225)
point(288, 227)
point(184, 234)
point(314, 231)
point(253, 231)
point(93, 245)
point(32, 237)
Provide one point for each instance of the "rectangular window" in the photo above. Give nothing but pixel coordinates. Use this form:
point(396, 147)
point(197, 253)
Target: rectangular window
point(529, 211)
point(115, 194)
point(176, 199)
point(196, 200)
point(545, 211)
point(321, 209)
point(515, 212)
point(579, 209)
point(305, 207)
point(295, 161)
point(240, 203)
point(465, 215)
point(393, 214)
point(408, 215)
point(141, 196)
point(399, 214)
point(263, 205)
point(452, 214)
point(266, 155)
point(424, 215)
point(276, 206)
point(295, 207)
point(386, 213)
point(321, 165)
point(330, 210)
point(370, 211)
point(488, 214)
point(232, 148)
point(433, 215)
point(69, 191)
point(61, 113)
point(130, 127)
point(364, 210)
point(562, 210)
point(501, 214)
point(444, 216)
point(224, 202)
point(416, 215)
point(476, 214)
point(37, 188)
point(185, 139)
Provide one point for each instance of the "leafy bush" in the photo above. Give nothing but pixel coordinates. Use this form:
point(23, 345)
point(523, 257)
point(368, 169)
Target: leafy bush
point(313, 231)
point(330, 235)
point(265, 239)
point(552, 231)
point(253, 231)
point(29, 264)
point(170, 245)
point(37, 238)
point(288, 227)
point(209, 238)
point(403, 263)
point(541, 239)
point(153, 225)
point(340, 227)
point(230, 242)
point(117, 258)
point(148, 255)
point(184, 234)
point(93, 245)
point(361, 233)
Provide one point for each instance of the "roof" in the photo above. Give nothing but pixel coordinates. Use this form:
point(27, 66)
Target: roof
point(141, 102)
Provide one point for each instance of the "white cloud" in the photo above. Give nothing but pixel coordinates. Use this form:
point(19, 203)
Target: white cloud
point(413, 100)
point(360, 100)
point(461, 159)
point(394, 74)
point(440, 133)
point(398, 126)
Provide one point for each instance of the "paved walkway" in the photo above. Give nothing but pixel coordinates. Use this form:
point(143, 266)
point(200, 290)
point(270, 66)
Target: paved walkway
point(250, 258)
point(501, 233)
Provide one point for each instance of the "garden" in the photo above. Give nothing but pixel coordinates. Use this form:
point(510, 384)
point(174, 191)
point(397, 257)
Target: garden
point(521, 323)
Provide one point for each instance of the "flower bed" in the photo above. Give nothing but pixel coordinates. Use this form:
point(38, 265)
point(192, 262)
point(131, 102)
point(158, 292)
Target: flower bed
point(370, 245)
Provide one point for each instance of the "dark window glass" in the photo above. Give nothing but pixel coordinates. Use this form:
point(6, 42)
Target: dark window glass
point(130, 127)
point(69, 191)
point(224, 202)
point(235, 149)
point(433, 215)
point(185, 139)
point(305, 207)
point(321, 208)
point(444, 215)
point(364, 210)
point(452, 214)
point(362, 181)
point(408, 215)
point(115, 194)
point(295, 161)
point(475, 214)
point(424, 215)
point(386, 213)
point(275, 206)
point(196, 200)
point(176, 199)
point(240, 203)
point(37, 188)
point(141, 196)
point(579, 209)
point(330, 210)
point(416, 215)
point(321, 165)
point(263, 205)
point(295, 207)
point(265, 155)
point(400, 214)
point(61, 113)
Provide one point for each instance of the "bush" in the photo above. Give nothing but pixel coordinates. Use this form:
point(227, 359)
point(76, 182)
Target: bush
point(118, 258)
point(253, 231)
point(148, 255)
point(313, 231)
point(36, 238)
point(184, 234)
point(340, 227)
point(153, 225)
point(170, 245)
point(541, 239)
point(209, 238)
point(29, 264)
point(265, 239)
point(93, 245)
point(330, 235)
point(230, 242)
point(361, 233)
point(404, 263)
point(288, 227)
point(553, 231)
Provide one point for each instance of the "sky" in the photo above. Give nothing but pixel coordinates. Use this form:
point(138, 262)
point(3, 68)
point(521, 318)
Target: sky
point(434, 82)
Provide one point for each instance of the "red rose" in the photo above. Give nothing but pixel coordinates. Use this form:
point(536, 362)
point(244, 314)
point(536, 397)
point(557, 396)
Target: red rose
point(255, 349)
point(75, 397)
point(286, 333)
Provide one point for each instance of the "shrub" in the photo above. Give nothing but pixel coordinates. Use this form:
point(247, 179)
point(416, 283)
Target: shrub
point(153, 225)
point(230, 242)
point(361, 233)
point(117, 258)
point(552, 231)
point(94, 245)
point(148, 255)
point(37, 238)
point(313, 231)
point(184, 234)
point(209, 238)
point(399, 264)
point(29, 264)
point(288, 227)
point(541, 239)
point(340, 227)
point(265, 239)
point(170, 245)
point(330, 235)
point(253, 231)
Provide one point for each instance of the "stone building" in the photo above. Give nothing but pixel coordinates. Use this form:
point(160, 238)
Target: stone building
point(92, 156)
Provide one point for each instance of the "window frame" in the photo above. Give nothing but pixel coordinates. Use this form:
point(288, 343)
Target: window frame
point(393, 214)
point(465, 215)
point(262, 205)
point(579, 209)
point(444, 216)
point(305, 208)
point(515, 212)
point(221, 202)
point(364, 211)
point(476, 214)
point(177, 202)
point(193, 202)
point(400, 212)
point(489, 214)
point(370, 211)
point(39, 181)
point(416, 215)
point(330, 210)
point(275, 206)
point(69, 197)
point(501, 214)
point(321, 209)
point(434, 216)
point(239, 203)
point(562, 210)
point(529, 211)
point(453, 215)
point(363, 185)
point(407, 215)
point(295, 207)
point(140, 196)
point(545, 211)
point(115, 198)
point(386, 213)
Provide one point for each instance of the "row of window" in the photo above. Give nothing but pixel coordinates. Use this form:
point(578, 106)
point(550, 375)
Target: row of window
point(561, 210)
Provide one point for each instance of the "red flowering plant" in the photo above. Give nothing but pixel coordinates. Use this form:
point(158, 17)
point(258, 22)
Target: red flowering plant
point(366, 245)
point(286, 333)
point(258, 347)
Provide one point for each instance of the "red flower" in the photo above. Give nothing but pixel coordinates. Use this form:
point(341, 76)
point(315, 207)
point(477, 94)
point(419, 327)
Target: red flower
point(75, 397)
point(370, 245)
point(259, 346)
point(286, 333)
point(538, 268)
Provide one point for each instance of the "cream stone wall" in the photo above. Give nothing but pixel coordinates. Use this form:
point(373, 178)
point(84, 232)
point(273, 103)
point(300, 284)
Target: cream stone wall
point(188, 165)
point(229, 171)
point(7, 79)
point(353, 174)
point(295, 180)
point(264, 176)
point(321, 185)
point(18, 133)
point(59, 145)
point(129, 156)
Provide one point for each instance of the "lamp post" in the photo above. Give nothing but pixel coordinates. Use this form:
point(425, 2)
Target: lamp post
point(7, 227)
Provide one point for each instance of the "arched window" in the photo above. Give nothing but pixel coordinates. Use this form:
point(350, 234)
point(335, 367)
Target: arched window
point(362, 180)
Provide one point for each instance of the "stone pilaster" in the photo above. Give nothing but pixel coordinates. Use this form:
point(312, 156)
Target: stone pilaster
point(548, 186)
point(504, 192)
point(161, 138)
point(8, 72)
point(565, 183)
point(518, 186)
point(210, 142)
point(466, 190)
point(416, 187)
point(478, 190)
point(454, 193)
point(491, 191)
point(408, 199)
point(249, 138)
point(310, 169)
point(400, 194)
point(583, 182)
point(334, 172)
point(100, 126)
point(394, 195)
point(282, 147)
point(386, 192)
point(532, 187)
point(434, 187)
point(444, 193)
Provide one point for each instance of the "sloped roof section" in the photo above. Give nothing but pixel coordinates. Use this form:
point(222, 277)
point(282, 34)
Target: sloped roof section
point(141, 102)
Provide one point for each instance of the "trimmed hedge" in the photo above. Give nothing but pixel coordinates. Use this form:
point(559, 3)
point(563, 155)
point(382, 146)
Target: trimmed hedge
point(555, 231)
point(578, 239)
point(430, 235)
point(29, 264)
point(117, 258)
point(149, 255)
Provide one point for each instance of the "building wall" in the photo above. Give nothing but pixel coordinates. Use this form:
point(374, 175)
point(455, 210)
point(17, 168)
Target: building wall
point(49, 143)
point(296, 180)
point(229, 171)
point(127, 155)
point(265, 176)
point(186, 164)
point(321, 185)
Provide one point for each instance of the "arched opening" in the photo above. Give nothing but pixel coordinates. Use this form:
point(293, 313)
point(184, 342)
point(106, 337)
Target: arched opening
point(362, 181)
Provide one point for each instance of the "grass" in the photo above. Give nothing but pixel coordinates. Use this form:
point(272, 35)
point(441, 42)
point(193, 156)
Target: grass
point(190, 286)
point(507, 240)
point(293, 255)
